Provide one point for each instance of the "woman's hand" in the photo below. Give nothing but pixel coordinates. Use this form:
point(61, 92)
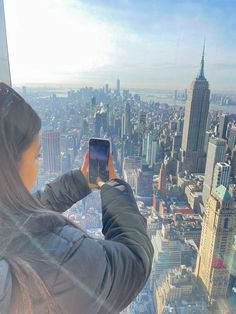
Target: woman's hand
point(85, 168)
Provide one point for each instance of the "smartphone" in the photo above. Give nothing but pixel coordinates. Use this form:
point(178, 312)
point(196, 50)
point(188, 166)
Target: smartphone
point(99, 150)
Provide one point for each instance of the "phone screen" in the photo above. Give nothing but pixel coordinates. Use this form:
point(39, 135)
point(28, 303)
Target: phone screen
point(99, 150)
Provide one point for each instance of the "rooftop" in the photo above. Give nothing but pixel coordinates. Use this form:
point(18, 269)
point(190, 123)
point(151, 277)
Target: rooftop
point(222, 193)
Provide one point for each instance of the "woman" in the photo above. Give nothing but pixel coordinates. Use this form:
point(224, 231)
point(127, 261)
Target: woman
point(49, 265)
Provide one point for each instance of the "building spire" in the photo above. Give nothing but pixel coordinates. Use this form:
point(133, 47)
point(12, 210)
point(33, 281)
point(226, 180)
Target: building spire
point(201, 74)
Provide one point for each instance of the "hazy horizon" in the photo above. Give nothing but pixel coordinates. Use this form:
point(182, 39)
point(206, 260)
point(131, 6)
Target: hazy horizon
point(147, 44)
point(74, 86)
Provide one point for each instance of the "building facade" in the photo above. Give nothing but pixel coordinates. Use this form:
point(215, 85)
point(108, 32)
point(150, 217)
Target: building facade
point(51, 151)
point(195, 120)
point(223, 124)
point(232, 138)
point(177, 293)
point(214, 257)
point(215, 153)
point(221, 175)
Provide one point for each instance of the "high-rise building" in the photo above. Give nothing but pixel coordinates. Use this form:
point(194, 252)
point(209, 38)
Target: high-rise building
point(221, 175)
point(176, 144)
point(141, 130)
point(85, 128)
point(142, 118)
point(5, 75)
point(180, 125)
point(118, 87)
point(162, 181)
point(132, 162)
point(232, 138)
point(101, 121)
point(93, 101)
point(195, 120)
point(144, 145)
point(214, 256)
point(126, 124)
point(51, 151)
point(167, 251)
point(209, 134)
point(173, 125)
point(144, 182)
point(223, 123)
point(154, 152)
point(233, 162)
point(117, 127)
point(106, 88)
point(130, 166)
point(148, 154)
point(215, 153)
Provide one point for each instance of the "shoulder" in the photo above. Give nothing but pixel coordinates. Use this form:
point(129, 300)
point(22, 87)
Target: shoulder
point(61, 239)
point(46, 240)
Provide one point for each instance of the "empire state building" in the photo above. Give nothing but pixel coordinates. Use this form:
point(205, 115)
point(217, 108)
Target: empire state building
point(195, 119)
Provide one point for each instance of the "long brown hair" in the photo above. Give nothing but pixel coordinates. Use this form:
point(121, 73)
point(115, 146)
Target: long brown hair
point(19, 124)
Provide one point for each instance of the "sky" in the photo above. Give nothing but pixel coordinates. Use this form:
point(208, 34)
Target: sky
point(146, 43)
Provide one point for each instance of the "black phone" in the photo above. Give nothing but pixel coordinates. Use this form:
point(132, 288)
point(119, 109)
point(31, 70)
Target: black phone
point(99, 150)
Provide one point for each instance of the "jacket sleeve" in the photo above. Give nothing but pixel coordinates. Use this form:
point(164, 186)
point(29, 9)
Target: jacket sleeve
point(127, 247)
point(63, 192)
point(104, 276)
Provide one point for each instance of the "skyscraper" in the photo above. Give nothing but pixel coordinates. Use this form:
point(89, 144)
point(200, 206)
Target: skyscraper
point(118, 87)
point(141, 130)
point(144, 180)
point(195, 120)
point(223, 123)
point(130, 165)
point(150, 138)
point(154, 152)
point(176, 144)
point(126, 124)
point(4, 57)
point(221, 175)
point(215, 153)
point(162, 181)
point(101, 122)
point(214, 256)
point(232, 138)
point(107, 88)
point(167, 251)
point(51, 151)
point(142, 118)
point(233, 162)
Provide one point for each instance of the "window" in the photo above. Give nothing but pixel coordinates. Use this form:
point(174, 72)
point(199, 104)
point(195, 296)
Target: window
point(226, 222)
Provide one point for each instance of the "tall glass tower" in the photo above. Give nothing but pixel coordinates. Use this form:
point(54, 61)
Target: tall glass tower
point(5, 75)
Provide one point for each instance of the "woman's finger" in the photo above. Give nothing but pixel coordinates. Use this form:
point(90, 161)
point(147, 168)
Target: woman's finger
point(86, 159)
point(85, 165)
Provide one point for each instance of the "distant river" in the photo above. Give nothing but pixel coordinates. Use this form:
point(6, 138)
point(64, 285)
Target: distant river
point(167, 98)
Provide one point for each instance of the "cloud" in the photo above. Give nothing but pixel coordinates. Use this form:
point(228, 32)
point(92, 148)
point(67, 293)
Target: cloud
point(157, 41)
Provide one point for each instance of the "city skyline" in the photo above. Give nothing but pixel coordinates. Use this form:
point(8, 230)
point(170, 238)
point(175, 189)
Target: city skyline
point(161, 41)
